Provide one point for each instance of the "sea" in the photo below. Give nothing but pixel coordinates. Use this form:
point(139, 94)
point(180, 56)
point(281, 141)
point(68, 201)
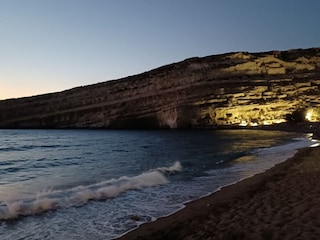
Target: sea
point(100, 184)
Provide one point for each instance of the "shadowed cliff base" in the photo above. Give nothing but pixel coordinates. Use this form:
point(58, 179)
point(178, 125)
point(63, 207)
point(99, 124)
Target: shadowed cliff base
point(233, 89)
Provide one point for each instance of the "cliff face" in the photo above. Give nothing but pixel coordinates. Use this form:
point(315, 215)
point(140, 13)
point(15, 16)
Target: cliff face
point(229, 89)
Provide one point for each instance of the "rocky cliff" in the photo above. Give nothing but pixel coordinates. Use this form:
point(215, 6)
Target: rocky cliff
point(229, 89)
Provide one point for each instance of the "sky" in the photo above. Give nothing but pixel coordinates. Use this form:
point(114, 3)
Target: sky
point(54, 45)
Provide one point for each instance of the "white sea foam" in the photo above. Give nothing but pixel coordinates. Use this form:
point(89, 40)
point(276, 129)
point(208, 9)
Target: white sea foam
point(176, 167)
point(77, 196)
point(287, 150)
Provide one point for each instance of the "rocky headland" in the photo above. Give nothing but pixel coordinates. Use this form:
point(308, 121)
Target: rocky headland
point(233, 89)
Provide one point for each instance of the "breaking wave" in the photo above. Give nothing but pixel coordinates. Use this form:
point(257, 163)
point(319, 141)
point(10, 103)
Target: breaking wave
point(176, 167)
point(78, 196)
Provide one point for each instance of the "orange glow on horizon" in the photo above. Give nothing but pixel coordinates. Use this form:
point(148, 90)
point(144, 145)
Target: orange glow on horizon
point(22, 91)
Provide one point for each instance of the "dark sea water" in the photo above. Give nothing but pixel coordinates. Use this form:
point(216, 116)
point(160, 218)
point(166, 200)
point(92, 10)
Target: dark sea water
point(97, 184)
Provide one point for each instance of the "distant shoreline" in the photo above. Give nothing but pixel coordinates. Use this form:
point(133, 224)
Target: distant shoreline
point(301, 127)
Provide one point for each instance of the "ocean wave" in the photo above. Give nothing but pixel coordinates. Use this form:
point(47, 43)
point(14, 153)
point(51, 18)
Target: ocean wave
point(78, 196)
point(176, 167)
point(27, 147)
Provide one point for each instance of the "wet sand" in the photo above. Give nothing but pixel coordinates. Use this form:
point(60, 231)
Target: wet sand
point(281, 203)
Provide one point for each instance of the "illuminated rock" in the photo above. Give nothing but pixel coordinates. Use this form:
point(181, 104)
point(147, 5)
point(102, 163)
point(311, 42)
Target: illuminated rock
point(229, 89)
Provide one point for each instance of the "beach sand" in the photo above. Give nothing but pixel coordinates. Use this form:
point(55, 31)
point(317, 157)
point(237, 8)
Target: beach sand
point(281, 203)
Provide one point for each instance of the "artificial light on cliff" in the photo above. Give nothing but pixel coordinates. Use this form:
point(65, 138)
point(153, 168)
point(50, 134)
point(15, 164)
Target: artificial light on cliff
point(267, 122)
point(313, 115)
point(274, 121)
point(309, 115)
point(280, 121)
point(243, 123)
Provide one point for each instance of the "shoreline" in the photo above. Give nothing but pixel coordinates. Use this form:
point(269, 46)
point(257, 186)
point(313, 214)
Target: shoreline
point(248, 209)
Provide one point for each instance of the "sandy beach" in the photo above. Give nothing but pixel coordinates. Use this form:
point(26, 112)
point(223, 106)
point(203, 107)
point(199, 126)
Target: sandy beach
point(281, 203)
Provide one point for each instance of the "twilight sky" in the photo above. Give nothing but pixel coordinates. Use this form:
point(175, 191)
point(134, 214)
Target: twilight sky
point(53, 45)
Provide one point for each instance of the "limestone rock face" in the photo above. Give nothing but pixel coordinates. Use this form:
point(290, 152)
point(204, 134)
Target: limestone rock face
point(229, 89)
